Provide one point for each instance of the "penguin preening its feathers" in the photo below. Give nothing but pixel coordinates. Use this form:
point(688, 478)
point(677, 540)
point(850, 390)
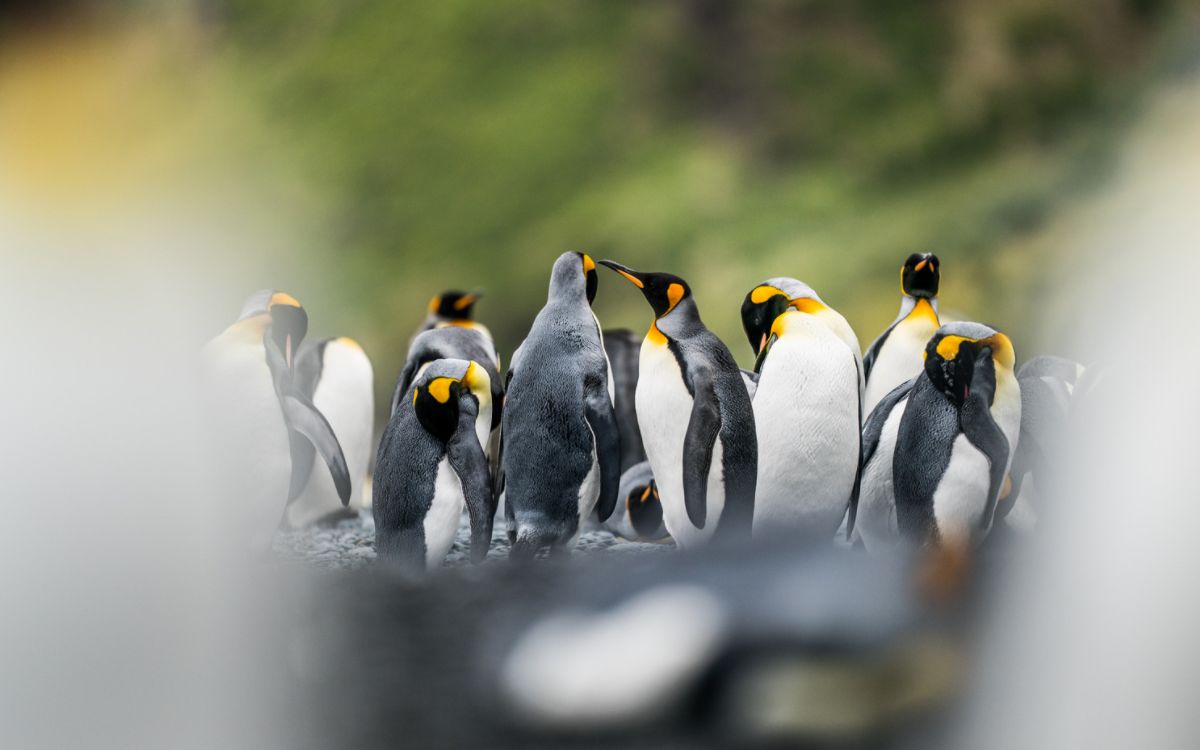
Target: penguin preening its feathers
point(937, 448)
point(273, 429)
point(431, 464)
point(560, 452)
point(895, 356)
point(695, 416)
point(807, 409)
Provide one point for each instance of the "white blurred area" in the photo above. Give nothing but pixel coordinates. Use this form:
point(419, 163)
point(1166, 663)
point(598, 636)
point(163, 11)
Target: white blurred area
point(131, 227)
point(1094, 641)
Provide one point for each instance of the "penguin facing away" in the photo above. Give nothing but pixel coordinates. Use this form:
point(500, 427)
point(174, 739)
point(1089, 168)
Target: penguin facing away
point(896, 356)
point(561, 453)
point(455, 308)
point(937, 448)
point(337, 375)
point(639, 515)
point(431, 465)
point(696, 418)
point(807, 410)
point(270, 428)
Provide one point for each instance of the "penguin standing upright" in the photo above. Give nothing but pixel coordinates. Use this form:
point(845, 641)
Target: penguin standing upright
point(268, 428)
point(561, 453)
point(807, 409)
point(337, 375)
point(696, 418)
point(431, 465)
point(937, 448)
point(895, 357)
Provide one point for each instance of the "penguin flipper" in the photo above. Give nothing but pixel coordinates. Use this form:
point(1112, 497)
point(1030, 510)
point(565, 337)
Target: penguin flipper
point(468, 460)
point(404, 381)
point(304, 418)
point(873, 429)
point(873, 352)
point(598, 410)
point(983, 432)
point(852, 509)
point(303, 455)
point(702, 431)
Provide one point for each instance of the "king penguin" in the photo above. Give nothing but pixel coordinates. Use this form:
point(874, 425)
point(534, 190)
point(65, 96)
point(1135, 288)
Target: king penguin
point(937, 448)
point(268, 427)
point(337, 375)
point(431, 465)
point(455, 308)
point(895, 357)
point(807, 410)
point(696, 418)
point(638, 516)
point(561, 448)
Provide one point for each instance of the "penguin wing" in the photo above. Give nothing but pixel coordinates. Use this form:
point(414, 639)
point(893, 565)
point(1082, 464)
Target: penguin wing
point(873, 429)
point(981, 429)
point(702, 430)
point(303, 455)
point(468, 460)
point(304, 418)
point(601, 417)
point(873, 352)
point(852, 509)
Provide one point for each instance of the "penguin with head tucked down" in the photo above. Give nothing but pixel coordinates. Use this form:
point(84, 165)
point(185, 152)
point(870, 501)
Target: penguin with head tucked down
point(696, 418)
point(638, 516)
point(431, 465)
point(270, 429)
point(455, 308)
point(337, 375)
point(895, 357)
point(807, 410)
point(560, 445)
point(937, 448)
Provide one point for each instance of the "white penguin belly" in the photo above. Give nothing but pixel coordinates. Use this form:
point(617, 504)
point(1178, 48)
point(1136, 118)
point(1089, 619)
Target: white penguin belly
point(806, 416)
point(876, 521)
point(250, 435)
point(445, 511)
point(664, 409)
point(961, 496)
point(899, 360)
point(345, 396)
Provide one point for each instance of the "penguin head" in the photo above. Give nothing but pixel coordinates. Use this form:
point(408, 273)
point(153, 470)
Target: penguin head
point(770, 299)
point(645, 511)
point(454, 304)
point(573, 273)
point(663, 291)
point(962, 357)
point(920, 275)
point(438, 393)
point(288, 322)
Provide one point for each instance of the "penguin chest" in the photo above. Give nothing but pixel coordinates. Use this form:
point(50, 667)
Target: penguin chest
point(806, 417)
point(900, 359)
point(876, 523)
point(664, 409)
point(961, 495)
point(445, 510)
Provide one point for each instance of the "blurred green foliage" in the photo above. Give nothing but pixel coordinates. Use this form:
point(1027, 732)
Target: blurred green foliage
point(461, 144)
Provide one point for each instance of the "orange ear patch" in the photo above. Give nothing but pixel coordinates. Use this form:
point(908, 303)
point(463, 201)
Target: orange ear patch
point(674, 294)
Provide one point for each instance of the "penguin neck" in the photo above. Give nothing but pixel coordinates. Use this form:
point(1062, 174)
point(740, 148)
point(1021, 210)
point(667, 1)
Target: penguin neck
point(926, 307)
point(682, 321)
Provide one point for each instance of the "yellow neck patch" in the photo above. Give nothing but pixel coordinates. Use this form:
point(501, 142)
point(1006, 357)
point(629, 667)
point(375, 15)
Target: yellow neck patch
point(347, 341)
point(479, 382)
point(656, 336)
point(674, 294)
point(808, 305)
point(589, 265)
point(924, 310)
point(283, 298)
point(439, 388)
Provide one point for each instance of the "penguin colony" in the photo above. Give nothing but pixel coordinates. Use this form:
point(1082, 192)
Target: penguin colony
point(922, 441)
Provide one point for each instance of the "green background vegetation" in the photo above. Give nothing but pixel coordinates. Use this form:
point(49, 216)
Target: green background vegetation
point(461, 144)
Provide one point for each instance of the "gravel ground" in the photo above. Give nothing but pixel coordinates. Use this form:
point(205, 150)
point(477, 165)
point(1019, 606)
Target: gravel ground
point(349, 543)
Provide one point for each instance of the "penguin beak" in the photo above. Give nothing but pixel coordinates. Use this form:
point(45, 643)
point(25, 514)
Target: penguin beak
point(287, 351)
point(632, 276)
point(761, 344)
point(468, 299)
point(921, 265)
